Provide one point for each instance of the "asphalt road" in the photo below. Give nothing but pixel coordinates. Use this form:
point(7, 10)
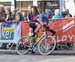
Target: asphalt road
point(57, 56)
point(37, 58)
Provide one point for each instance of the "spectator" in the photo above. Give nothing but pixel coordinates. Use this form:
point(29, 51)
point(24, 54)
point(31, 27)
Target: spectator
point(13, 15)
point(63, 14)
point(40, 10)
point(19, 16)
point(2, 14)
point(66, 13)
point(29, 8)
point(29, 12)
point(26, 16)
point(2, 19)
point(8, 13)
point(57, 14)
point(8, 17)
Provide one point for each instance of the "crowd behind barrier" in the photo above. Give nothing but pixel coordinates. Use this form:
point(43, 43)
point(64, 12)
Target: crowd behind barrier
point(16, 14)
point(59, 25)
point(65, 30)
point(9, 30)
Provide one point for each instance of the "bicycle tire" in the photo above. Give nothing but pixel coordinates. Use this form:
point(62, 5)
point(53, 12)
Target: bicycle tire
point(49, 51)
point(22, 45)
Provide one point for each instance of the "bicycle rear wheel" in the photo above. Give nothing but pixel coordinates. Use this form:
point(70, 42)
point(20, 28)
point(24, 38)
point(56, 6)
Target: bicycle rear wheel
point(47, 45)
point(22, 45)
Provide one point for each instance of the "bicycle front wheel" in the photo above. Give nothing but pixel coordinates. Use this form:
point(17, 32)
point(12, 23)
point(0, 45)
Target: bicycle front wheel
point(22, 45)
point(47, 45)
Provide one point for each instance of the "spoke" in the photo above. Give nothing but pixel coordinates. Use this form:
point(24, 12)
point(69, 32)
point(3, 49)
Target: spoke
point(47, 45)
point(23, 45)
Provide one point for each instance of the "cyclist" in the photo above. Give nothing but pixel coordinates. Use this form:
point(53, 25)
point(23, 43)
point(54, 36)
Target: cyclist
point(34, 20)
point(44, 17)
point(39, 20)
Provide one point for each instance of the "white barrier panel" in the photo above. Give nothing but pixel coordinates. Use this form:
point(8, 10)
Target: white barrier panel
point(10, 34)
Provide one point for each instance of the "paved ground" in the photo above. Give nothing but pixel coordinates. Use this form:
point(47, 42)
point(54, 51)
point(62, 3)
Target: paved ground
point(57, 56)
point(37, 58)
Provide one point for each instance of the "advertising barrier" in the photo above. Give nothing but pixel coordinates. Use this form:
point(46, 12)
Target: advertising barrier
point(65, 29)
point(10, 34)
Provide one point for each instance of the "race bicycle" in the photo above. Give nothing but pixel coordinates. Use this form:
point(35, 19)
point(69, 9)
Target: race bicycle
point(44, 43)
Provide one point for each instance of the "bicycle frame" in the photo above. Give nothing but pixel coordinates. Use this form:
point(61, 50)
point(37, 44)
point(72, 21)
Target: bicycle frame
point(44, 34)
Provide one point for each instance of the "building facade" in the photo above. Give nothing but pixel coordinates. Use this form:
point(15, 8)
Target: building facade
point(23, 4)
point(70, 4)
point(52, 4)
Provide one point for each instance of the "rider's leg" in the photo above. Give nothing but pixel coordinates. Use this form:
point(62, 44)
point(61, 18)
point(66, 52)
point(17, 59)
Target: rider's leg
point(32, 28)
point(30, 31)
point(54, 32)
point(51, 30)
point(38, 26)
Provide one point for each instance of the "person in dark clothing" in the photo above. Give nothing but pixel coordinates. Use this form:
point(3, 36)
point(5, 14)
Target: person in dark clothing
point(66, 14)
point(8, 17)
point(2, 14)
point(2, 19)
point(29, 12)
point(34, 20)
point(26, 16)
point(19, 16)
